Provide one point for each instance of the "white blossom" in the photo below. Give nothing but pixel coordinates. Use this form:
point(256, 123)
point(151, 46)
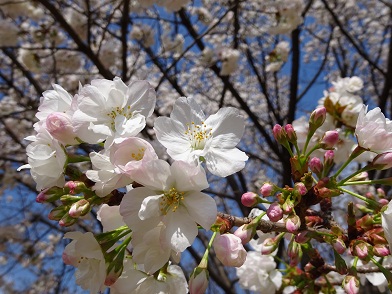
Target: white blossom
point(190, 137)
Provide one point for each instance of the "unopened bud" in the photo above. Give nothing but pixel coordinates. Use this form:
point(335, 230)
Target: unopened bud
point(300, 188)
point(59, 125)
point(245, 233)
point(294, 251)
point(57, 213)
point(249, 199)
point(75, 187)
point(288, 206)
point(381, 250)
point(380, 193)
point(80, 208)
point(351, 285)
point(67, 220)
point(229, 250)
point(293, 223)
point(279, 134)
point(316, 166)
point(383, 201)
point(267, 189)
point(329, 156)
point(290, 132)
point(361, 249)
point(275, 212)
point(269, 245)
point(198, 281)
point(339, 246)
point(70, 199)
point(49, 195)
point(317, 118)
point(330, 139)
point(382, 161)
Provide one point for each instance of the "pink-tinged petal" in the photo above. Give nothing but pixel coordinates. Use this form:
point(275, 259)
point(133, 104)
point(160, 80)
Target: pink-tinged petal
point(180, 229)
point(189, 177)
point(201, 208)
point(153, 175)
point(224, 162)
point(110, 217)
point(187, 110)
point(227, 127)
point(150, 207)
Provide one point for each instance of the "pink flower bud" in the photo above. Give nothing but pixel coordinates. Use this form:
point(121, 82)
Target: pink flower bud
point(317, 118)
point(249, 199)
point(316, 166)
point(245, 233)
point(339, 246)
point(59, 125)
point(294, 251)
point(57, 213)
point(67, 220)
point(300, 187)
point(381, 250)
point(229, 250)
point(75, 187)
point(198, 281)
point(275, 212)
point(383, 201)
point(351, 285)
point(361, 249)
point(330, 139)
point(382, 161)
point(279, 134)
point(49, 195)
point(267, 189)
point(269, 245)
point(329, 156)
point(288, 206)
point(291, 135)
point(381, 193)
point(293, 223)
point(80, 208)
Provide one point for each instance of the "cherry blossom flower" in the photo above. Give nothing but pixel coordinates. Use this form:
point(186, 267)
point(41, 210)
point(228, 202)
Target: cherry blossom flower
point(259, 273)
point(374, 130)
point(46, 160)
point(135, 280)
point(86, 255)
point(110, 109)
point(171, 194)
point(190, 137)
point(229, 250)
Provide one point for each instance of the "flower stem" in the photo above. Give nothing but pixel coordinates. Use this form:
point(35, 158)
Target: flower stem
point(356, 152)
point(363, 198)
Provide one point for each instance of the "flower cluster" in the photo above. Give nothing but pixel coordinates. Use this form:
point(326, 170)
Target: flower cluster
point(151, 210)
point(159, 216)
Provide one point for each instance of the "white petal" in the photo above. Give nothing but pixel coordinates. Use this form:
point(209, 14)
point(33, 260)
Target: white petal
point(227, 127)
point(180, 230)
point(201, 208)
point(189, 177)
point(186, 110)
point(224, 162)
point(150, 207)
